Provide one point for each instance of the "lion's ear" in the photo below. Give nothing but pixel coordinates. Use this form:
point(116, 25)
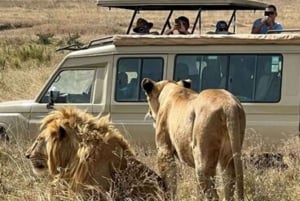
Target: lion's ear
point(185, 83)
point(62, 133)
point(147, 85)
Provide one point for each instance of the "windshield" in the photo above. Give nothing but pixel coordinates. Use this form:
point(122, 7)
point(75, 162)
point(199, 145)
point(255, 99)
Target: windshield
point(71, 86)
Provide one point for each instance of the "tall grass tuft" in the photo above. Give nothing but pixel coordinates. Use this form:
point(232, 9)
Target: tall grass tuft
point(34, 52)
point(27, 55)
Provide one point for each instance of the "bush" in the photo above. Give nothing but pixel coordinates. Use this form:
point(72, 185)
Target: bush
point(45, 38)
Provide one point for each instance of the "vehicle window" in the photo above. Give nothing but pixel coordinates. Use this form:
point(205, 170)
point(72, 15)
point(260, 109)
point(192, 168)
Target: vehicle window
point(252, 78)
point(71, 86)
point(188, 67)
point(130, 72)
point(268, 78)
point(241, 76)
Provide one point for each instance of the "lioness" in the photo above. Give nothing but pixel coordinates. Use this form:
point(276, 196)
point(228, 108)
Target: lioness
point(92, 157)
point(201, 129)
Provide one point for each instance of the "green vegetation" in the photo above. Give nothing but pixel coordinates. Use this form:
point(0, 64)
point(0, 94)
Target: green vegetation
point(45, 38)
point(33, 54)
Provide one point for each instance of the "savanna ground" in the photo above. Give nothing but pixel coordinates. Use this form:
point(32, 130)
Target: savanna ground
point(31, 30)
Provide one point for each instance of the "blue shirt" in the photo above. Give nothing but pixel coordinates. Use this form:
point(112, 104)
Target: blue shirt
point(264, 29)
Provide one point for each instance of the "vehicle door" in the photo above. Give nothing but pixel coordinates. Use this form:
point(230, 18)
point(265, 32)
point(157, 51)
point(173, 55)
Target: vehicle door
point(71, 86)
point(128, 102)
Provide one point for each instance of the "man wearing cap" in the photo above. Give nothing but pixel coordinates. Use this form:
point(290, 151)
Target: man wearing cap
point(263, 25)
point(143, 27)
point(182, 25)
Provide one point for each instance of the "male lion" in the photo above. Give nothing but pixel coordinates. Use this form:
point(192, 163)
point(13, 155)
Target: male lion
point(92, 157)
point(201, 130)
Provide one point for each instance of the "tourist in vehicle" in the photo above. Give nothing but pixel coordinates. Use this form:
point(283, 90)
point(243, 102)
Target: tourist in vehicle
point(122, 86)
point(181, 26)
point(143, 27)
point(263, 25)
point(222, 27)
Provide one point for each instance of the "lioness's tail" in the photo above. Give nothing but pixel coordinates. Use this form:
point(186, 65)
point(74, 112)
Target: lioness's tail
point(236, 129)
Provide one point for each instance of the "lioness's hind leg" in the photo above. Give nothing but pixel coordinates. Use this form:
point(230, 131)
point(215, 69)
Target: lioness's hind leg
point(205, 166)
point(168, 171)
point(228, 172)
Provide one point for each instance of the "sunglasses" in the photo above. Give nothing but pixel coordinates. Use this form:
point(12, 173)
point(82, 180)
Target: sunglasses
point(269, 13)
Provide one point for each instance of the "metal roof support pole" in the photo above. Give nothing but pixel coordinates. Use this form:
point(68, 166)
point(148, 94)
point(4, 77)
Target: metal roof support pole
point(233, 17)
point(234, 21)
point(167, 23)
point(131, 21)
point(200, 22)
point(195, 23)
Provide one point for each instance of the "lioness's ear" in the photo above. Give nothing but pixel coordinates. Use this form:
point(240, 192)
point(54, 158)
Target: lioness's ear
point(147, 85)
point(62, 133)
point(185, 83)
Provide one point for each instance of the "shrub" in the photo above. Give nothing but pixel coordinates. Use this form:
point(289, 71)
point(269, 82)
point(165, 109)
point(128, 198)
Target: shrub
point(45, 38)
point(72, 39)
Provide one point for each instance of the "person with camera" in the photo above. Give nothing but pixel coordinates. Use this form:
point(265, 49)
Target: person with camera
point(263, 25)
point(182, 25)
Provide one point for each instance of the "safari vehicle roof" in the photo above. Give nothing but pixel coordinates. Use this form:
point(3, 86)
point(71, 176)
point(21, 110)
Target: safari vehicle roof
point(183, 4)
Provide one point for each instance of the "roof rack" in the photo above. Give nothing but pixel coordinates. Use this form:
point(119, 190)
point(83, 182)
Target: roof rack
point(92, 43)
point(283, 31)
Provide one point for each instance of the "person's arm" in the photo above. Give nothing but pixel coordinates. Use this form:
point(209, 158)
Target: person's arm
point(257, 25)
point(170, 31)
point(256, 30)
point(278, 27)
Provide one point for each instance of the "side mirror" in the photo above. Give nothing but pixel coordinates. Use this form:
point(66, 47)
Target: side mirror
point(52, 99)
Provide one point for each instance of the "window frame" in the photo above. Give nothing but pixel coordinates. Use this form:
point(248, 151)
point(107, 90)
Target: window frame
point(141, 59)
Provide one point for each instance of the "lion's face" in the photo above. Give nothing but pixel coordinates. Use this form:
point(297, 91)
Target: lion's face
point(37, 154)
point(51, 149)
point(153, 90)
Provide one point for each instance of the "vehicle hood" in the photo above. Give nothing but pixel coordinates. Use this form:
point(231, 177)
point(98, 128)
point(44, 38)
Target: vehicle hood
point(19, 106)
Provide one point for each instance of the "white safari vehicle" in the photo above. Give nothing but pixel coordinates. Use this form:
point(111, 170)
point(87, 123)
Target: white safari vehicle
point(104, 76)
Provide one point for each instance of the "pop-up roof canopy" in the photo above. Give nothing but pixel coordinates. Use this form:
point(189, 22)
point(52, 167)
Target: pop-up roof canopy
point(183, 4)
point(172, 5)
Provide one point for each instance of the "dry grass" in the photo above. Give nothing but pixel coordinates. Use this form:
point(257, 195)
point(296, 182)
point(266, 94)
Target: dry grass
point(23, 78)
point(17, 182)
